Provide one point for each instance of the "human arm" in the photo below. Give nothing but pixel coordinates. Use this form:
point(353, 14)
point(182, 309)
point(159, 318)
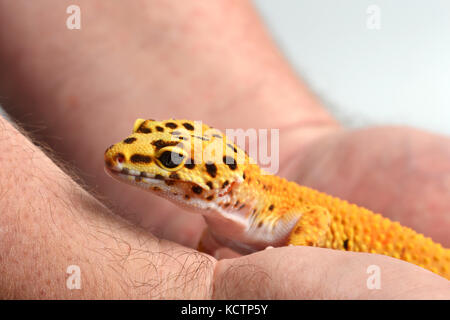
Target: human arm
point(209, 60)
point(48, 223)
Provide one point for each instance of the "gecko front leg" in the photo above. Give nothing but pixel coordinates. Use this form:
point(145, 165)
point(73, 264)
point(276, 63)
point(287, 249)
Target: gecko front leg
point(208, 243)
point(312, 227)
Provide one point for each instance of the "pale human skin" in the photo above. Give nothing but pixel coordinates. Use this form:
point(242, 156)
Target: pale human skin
point(209, 60)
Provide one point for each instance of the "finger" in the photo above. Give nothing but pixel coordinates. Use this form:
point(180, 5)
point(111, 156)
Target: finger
point(225, 253)
point(316, 273)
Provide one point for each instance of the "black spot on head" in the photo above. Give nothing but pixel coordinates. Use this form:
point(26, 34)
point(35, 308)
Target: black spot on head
point(232, 147)
point(129, 140)
point(143, 129)
point(160, 129)
point(189, 164)
point(159, 144)
point(346, 244)
point(211, 169)
point(183, 138)
point(159, 177)
point(226, 205)
point(243, 176)
point(171, 125)
point(271, 207)
point(237, 203)
point(125, 171)
point(169, 182)
point(225, 184)
point(230, 162)
point(242, 206)
point(187, 197)
point(209, 198)
point(201, 138)
point(140, 158)
point(260, 224)
point(188, 126)
point(197, 189)
point(210, 184)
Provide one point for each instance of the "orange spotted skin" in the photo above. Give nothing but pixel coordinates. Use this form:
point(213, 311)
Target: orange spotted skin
point(248, 209)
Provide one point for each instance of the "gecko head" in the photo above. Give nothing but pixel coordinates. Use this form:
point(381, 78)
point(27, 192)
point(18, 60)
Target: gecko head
point(192, 164)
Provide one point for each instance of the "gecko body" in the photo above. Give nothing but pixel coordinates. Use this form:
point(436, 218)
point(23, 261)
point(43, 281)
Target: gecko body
point(246, 209)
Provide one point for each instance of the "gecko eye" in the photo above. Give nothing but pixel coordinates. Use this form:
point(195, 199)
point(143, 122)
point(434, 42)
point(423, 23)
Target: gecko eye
point(171, 159)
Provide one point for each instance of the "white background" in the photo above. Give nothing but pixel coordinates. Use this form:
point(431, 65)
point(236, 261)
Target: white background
point(399, 74)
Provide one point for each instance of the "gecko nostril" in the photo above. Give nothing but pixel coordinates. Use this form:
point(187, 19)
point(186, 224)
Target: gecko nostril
point(120, 158)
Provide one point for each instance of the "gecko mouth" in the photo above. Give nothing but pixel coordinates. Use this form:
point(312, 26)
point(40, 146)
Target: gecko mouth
point(133, 176)
point(158, 182)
